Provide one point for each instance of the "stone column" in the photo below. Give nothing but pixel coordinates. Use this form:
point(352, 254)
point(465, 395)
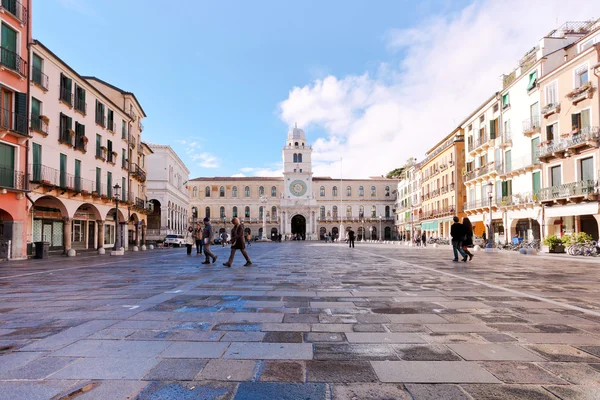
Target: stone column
point(124, 235)
point(143, 234)
point(100, 235)
point(66, 233)
point(138, 233)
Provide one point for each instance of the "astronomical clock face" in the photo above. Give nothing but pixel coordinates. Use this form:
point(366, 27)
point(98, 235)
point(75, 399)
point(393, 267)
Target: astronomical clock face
point(298, 188)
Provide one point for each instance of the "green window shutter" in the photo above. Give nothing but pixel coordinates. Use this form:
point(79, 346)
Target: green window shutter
point(532, 80)
point(36, 107)
point(7, 165)
point(505, 100)
point(493, 129)
point(68, 86)
point(99, 180)
point(21, 112)
point(37, 162)
point(9, 40)
point(109, 146)
point(109, 183)
point(537, 182)
point(123, 190)
point(77, 175)
point(63, 171)
point(504, 188)
point(36, 62)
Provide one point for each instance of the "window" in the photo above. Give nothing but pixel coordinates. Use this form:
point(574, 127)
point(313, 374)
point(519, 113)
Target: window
point(551, 94)
point(349, 211)
point(63, 171)
point(37, 124)
point(361, 191)
point(273, 191)
point(247, 191)
point(387, 211)
point(207, 212)
point(482, 118)
point(109, 154)
point(493, 128)
point(348, 191)
point(123, 189)
point(295, 158)
point(300, 158)
point(373, 191)
point(235, 214)
point(221, 191)
point(65, 130)
point(8, 154)
point(551, 131)
point(80, 104)
point(247, 212)
point(123, 129)
point(361, 211)
point(273, 213)
point(532, 80)
point(261, 191)
point(586, 169)
point(195, 191)
point(322, 212)
point(387, 188)
point(65, 89)
point(535, 150)
point(111, 120)
point(536, 182)
point(334, 211)
point(555, 176)
point(234, 191)
point(124, 164)
point(222, 212)
point(373, 211)
point(109, 187)
point(260, 212)
point(207, 191)
point(507, 161)
point(99, 180)
point(581, 76)
point(580, 122)
point(100, 120)
point(80, 137)
point(334, 191)
point(99, 146)
point(322, 191)
point(37, 71)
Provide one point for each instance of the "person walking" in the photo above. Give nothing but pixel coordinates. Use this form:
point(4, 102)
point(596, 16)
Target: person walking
point(207, 237)
point(457, 231)
point(351, 237)
point(198, 233)
point(189, 240)
point(249, 239)
point(424, 239)
point(237, 243)
point(223, 236)
point(466, 222)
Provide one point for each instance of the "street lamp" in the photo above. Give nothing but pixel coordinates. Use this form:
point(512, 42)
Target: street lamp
point(490, 190)
point(263, 200)
point(116, 195)
point(380, 227)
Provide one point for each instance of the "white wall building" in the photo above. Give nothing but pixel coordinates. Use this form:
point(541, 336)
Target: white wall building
point(166, 190)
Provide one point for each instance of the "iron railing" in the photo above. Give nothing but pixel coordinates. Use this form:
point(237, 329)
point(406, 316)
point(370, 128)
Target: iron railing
point(531, 124)
point(480, 141)
point(11, 60)
point(38, 125)
point(587, 134)
point(568, 190)
point(137, 172)
point(66, 96)
point(11, 179)
point(17, 9)
point(519, 199)
point(132, 141)
point(9, 120)
point(39, 78)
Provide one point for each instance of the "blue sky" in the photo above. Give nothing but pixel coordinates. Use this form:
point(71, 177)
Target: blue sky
point(221, 82)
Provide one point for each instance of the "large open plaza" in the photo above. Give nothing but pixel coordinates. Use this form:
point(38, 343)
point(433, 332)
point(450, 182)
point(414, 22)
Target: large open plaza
point(307, 320)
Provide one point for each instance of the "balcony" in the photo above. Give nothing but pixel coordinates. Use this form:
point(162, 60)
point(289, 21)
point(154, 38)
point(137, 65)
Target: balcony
point(11, 122)
point(101, 120)
point(444, 189)
point(140, 126)
point(81, 143)
point(506, 140)
point(66, 137)
point(531, 126)
point(11, 179)
point(137, 173)
point(39, 79)
point(66, 96)
point(11, 61)
point(101, 153)
point(437, 213)
point(480, 205)
point(481, 172)
point(520, 165)
point(519, 200)
point(132, 141)
point(55, 179)
point(481, 141)
point(80, 106)
point(553, 108)
point(569, 192)
point(583, 92)
point(39, 125)
point(435, 193)
point(16, 9)
point(571, 144)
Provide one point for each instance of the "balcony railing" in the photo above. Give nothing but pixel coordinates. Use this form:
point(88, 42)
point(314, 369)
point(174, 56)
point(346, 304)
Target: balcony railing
point(568, 190)
point(39, 78)
point(550, 109)
point(38, 125)
point(15, 8)
point(60, 179)
point(585, 136)
point(480, 203)
point(518, 199)
point(12, 61)
point(531, 125)
point(66, 96)
point(65, 136)
point(13, 122)
point(480, 141)
point(11, 179)
point(80, 105)
point(81, 143)
point(101, 120)
point(137, 172)
point(132, 141)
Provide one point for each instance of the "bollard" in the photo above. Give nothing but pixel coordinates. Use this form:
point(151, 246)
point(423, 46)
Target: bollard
point(71, 253)
point(151, 247)
point(101, 251)
point(143, 247)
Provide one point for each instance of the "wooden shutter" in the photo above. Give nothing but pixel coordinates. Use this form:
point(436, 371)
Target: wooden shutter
point(21, 112)
point(493, 129)
point(575, 121)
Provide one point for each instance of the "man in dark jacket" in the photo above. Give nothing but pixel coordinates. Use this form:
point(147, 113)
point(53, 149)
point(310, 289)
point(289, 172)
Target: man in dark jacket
point(238, 242)
point(351, 238)
point(457, 231)
point(207, 236)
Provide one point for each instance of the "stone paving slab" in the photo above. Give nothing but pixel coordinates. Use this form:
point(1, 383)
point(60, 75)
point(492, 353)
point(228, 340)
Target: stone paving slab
point(270, 351)
point(113, 348)
point(384, 338)
point(107, 368)
point(34, 390)
point(495, 352)
point(432, 372)
point(195, 350)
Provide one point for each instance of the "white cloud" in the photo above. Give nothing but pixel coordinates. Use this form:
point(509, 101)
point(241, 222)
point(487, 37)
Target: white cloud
point(207, 160)
point(238, 176)
point(264, 171)
point(452, 64)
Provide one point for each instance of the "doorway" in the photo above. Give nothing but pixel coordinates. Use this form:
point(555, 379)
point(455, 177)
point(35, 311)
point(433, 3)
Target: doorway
point(299, 226)
point(91, 235)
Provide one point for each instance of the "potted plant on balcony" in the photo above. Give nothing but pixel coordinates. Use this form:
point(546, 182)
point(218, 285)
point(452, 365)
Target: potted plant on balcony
point(95, 194)
point(84, 140)
point(44, 118)
point(555, 244)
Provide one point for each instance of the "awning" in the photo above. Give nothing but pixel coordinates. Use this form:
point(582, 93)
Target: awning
point(532, 80)
point(430, 225)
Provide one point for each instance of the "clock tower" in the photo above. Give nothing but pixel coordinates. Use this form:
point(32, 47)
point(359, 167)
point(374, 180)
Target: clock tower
point(299, 204)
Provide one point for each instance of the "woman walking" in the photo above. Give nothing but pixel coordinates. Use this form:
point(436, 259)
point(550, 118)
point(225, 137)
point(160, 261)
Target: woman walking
point(189, 240)
point(468, 238)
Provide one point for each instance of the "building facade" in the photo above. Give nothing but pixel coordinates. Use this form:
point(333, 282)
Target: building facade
point(297, 204)
point(167, 191)
point(82, 159)
point(570, 140)
point(408, 202)
point(14, 126)
point(442, 192)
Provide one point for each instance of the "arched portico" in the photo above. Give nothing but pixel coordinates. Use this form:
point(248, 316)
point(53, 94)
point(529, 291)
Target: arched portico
point(84, 227)
point(51, 222)
point(6, 233)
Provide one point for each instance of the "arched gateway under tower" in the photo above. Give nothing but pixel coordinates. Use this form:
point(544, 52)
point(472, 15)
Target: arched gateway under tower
point(299, 225)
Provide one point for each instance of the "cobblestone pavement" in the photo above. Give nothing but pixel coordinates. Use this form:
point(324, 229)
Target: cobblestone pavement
point(306, 321)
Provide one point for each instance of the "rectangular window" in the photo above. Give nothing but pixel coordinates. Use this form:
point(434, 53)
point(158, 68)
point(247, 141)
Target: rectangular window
point(99, 146)
point(110, 120)
point(37, 162)
point(123, 189)
point(109, 151)
point(581, 76)
point(580, 122)
point(551, 94)
point(551, 132)
point(80, 104)
point(124, 159)
point(586, 169)
point(534, 112)
point(65, 130)
point(77, 175)
point(508, 161)
point(505, 101)
point(7, 165)
point(535, 150)
point(532, 80)
point(63, 171)
point(493, 128)
point(80, 139)
point(99, 180)
point(507, 188)
point(100, 119)
point(123, 130)
point(65, 89)
point(555, 178)
point(36, 122)
point(10, 57)
point(109, 188)
point(537, 182)
point(37, 71)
